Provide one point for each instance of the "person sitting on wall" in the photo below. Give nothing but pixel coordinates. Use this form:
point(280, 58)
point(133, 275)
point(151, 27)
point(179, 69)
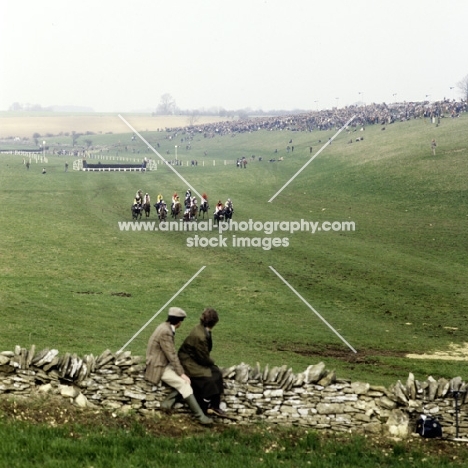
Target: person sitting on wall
point(194, 355)
point(163, 364)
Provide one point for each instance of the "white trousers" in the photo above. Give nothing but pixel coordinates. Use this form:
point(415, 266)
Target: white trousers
point(171, 378)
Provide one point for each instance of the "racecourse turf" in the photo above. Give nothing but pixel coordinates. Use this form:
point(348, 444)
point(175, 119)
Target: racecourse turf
point(72, 280)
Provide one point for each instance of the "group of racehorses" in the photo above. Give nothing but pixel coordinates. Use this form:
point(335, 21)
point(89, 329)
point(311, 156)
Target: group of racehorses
point(191, 213)
point(224, 214)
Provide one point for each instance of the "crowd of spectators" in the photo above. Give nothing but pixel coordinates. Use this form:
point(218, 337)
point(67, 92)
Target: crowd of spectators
point(373, 114)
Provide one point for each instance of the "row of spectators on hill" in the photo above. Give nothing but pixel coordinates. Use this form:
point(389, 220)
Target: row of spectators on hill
point(372, 114)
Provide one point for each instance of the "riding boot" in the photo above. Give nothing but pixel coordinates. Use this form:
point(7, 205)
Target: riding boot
point(215, 401)
point(170, 400)
point(204, 405)
point(214, 407)
point(197, 411)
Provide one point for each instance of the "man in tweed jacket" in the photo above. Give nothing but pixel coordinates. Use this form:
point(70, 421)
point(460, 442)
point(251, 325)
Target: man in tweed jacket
point(162, 364)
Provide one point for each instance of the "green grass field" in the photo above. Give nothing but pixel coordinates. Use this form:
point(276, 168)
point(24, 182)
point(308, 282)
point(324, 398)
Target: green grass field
point(124, 442)
point(71, 280)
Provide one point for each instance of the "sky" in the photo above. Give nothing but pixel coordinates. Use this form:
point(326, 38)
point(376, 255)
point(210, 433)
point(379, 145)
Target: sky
point(122, 56)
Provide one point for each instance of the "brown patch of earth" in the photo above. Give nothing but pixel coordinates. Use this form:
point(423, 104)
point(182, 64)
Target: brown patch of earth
point(55, 412)
point(341, 353)
point(454, 353)
point(86, 292)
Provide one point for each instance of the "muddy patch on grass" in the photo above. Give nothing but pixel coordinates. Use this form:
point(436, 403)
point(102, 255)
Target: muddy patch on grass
point(55, 412)
point(87, 292)
point(455, 352)
point(340, 352)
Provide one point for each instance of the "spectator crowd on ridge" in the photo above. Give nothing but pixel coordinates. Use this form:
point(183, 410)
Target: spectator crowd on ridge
point(372, 114)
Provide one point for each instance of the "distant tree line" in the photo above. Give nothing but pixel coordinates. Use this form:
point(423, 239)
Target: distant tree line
point(18, 107)
point(167, 106)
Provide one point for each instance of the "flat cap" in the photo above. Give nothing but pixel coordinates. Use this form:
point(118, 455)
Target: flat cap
point(177, 312)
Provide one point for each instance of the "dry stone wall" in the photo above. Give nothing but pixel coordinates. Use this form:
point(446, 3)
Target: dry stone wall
point(314, 398)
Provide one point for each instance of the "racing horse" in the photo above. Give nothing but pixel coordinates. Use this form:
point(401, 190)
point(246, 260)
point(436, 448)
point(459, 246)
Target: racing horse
point(228, 211)
point(204, 207)
point(136, 211)
point(175, 210)
point(191, 213)
point(224, 214)
point(219, 216)
point(158, 205)
point(147, 208)
point(162, 212)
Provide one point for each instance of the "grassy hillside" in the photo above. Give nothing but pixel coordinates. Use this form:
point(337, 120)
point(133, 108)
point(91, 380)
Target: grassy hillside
point(70, 279)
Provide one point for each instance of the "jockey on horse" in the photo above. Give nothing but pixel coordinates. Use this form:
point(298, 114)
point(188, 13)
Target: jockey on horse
point(204, 206)
point(191, 211)
point(175, 197)
point(228, 209)
point(159, 199)
point(175, 209)
point(204, 200)
point(219, 211)
point(137, 206)
point(147, 204)
point(193, 208)
point(219, 206)
point(162, 210)
point(188, 200)
point(188, 203)
point(229, 204)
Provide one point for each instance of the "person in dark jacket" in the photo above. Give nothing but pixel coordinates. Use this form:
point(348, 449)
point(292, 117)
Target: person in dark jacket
point(194, 354)
point(162, 364)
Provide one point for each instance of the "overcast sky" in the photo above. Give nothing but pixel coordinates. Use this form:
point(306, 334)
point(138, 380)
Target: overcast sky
point(120, 56)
